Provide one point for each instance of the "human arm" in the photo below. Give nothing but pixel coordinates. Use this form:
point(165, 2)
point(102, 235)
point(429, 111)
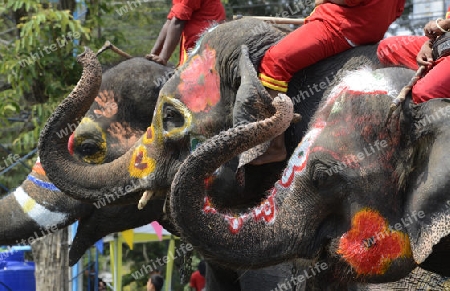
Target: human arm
point(424, 57)
point(168, 42)
point(432, 30)
point(161, 38)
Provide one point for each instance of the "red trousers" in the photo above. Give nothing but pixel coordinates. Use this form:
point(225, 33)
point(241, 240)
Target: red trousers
point(306, 45)
point(402, 51)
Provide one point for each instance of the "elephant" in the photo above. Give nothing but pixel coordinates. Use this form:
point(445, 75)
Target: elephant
point(213, 70)
point(96, 225)
point(200, 101)
point(115, 118)
point(182, 120)
point(360, 182)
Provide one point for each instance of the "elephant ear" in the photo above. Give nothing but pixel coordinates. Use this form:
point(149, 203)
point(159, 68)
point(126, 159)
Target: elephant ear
point(427, 209)
point(253, 103)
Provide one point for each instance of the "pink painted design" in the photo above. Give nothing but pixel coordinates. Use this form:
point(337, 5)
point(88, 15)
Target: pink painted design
point(158, 229)
point(107, 104)
point(358, 93)
point(297, 162)
point(70, 144)
point(200, 82)
point(207, 206)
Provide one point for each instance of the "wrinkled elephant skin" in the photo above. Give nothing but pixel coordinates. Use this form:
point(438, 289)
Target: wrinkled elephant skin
point(115, 119)
point(198, 102)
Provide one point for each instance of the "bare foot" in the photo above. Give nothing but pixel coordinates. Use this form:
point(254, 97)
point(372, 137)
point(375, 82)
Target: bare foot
point(156, 59)
point(275, 153)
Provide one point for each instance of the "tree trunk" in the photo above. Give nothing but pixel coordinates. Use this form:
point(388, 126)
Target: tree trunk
point(51, 255)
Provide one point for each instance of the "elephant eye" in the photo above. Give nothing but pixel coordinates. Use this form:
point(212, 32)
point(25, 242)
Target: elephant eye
point(172, 118)
point(88, 148)
point(319, 173)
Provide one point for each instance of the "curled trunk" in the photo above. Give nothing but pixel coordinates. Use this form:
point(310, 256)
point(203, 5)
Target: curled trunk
point(63, 170)
point(209, 230)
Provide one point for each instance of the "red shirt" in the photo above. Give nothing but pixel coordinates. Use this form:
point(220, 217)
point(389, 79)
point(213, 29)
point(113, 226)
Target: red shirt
point(199, 15)
point(197, 281)
point(360, 21)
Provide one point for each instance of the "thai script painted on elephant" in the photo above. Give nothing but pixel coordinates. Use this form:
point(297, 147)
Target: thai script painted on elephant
point(266, 212)
point(297, 162)
point(372, 259)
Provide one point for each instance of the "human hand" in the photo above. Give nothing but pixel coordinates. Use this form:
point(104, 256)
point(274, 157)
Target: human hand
point(432, 30)
point(424, 57)
point(156, 59)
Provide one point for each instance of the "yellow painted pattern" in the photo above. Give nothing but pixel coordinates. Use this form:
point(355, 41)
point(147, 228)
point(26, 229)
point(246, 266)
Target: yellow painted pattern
point(177, 132)
point(141, 165)
point(99, 157)
point(149, 136)
point(29, 204)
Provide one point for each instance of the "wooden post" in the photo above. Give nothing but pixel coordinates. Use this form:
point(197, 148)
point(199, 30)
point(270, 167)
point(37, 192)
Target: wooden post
point(274, 20)
point(51, 257)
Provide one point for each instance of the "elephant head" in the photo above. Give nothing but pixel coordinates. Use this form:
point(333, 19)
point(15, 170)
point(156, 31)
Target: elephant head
point(185, 117)
point(196, 103)
point(115, 118)
point(364, 190)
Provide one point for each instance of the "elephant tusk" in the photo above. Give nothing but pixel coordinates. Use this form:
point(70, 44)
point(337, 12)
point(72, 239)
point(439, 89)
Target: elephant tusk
point(296, 118)
point(145, 198)
point(165, 204)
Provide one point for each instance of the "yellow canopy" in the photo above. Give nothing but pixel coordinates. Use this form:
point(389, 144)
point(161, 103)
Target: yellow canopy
point(138, 235)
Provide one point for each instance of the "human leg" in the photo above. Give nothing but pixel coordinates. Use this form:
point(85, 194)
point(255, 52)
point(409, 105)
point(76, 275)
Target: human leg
point(435, 83)
point(299, 49)
point(400, 50)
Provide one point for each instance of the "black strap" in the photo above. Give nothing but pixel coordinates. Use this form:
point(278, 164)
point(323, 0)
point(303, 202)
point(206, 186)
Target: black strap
point(441, 46)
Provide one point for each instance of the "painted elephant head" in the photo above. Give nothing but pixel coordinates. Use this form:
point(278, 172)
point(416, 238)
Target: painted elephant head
point(364, 191)
point(120, 112)
point(197, 102)
point(115, 118)
point(182, 120)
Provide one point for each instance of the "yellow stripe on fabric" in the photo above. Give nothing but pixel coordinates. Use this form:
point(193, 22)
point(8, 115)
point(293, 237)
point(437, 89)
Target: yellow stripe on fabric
point(266, 78)
point(274, 87)
point(447, 15)
point(29, 205)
